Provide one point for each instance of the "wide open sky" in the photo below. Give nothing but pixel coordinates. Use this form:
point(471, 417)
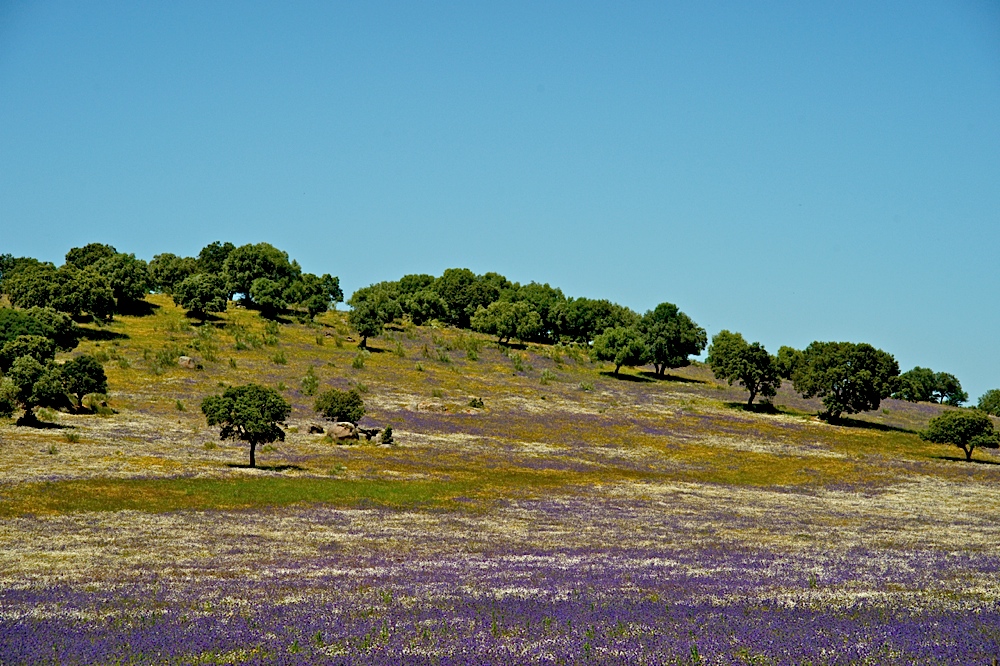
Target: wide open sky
point(790, 170)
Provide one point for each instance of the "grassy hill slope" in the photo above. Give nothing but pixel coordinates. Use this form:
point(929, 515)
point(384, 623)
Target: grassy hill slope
point(571, 498)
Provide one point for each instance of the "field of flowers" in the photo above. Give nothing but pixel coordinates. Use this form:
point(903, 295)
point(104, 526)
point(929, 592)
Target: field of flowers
point(572, 518)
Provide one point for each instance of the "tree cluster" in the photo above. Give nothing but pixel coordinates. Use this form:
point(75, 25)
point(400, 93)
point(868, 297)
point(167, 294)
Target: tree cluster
point(492, 304)
point(260, 274)
point(29, 374)
point(98, 281)
point(732, 359)
point(925, 385)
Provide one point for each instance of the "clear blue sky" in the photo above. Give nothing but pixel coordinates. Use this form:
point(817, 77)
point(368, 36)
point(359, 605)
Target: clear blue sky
point(790, 170)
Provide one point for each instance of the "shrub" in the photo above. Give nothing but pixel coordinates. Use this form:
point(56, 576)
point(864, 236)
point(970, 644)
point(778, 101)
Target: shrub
point(310, 382)
point(359, 360)
point(387, 436)
point(338, 405)
point(548, 376)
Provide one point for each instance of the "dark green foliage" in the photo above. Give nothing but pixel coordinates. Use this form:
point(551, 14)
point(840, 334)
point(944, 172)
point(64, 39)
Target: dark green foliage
point(507, 320)
point(411, 284)
point(582, 319)
point(249, 413)
point(82, 375)
point(89, 255)
point(621, 346)
point(8, 397)
point(849, 377)
point(964, 428)
point(671, 337)
point(546, 302)
point(387, 438)
point(788, 360)
point(916, 385)
point(463, 293)
point(213, 256)
point(268, 295)
point(45, 322)
point(128, 277)
point(925, 385)
point(166, 271)
point(372, 308)
point(248, 263)
point(989, 402)
point(36, 384)
point(39, 348)
point(423, 306)
point(314, 294)
point(338, 405)
point(948, 390)
point(201, 293)
point(9, 265)
point(732, 359)
point(68, 289)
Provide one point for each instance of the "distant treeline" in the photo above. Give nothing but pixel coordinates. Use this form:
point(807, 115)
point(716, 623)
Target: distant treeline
point(97, 281)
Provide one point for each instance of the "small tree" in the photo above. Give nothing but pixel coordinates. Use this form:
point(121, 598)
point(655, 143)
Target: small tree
point(507, 320)
point(964, 428)
point(671, 336)
point(372, 308)
point(249, 413)
point(338, 405)
point(732, 359)
point(989, 402)
point(621, 346)
point(848, 377)
point(83, 375)
point(948, 390)
point(916, 385)
point(201, 293)
point(37, 384)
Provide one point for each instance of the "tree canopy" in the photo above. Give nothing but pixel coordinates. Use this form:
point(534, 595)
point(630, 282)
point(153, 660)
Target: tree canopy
point(507, 320)
point(83, 375)
point(372, 308)
point(732, 359)
point(848, 377)
point(925, 385)
point(247, 263)
point(201, 293)
point(621, 346)
point(249, 413)
point(989, 402)
point(965, 428)
point(671, 337)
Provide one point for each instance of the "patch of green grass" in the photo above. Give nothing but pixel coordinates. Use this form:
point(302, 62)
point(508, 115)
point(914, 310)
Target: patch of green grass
point(185, 493)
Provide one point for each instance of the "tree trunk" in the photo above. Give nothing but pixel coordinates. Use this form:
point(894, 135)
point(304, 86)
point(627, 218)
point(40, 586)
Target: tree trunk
point(753, 394)
point(968, 452)
point(617, 368)
point(364, 342)
point(253, 450)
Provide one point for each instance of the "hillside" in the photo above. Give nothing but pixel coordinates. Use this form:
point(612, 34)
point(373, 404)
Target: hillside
point(575, 516)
